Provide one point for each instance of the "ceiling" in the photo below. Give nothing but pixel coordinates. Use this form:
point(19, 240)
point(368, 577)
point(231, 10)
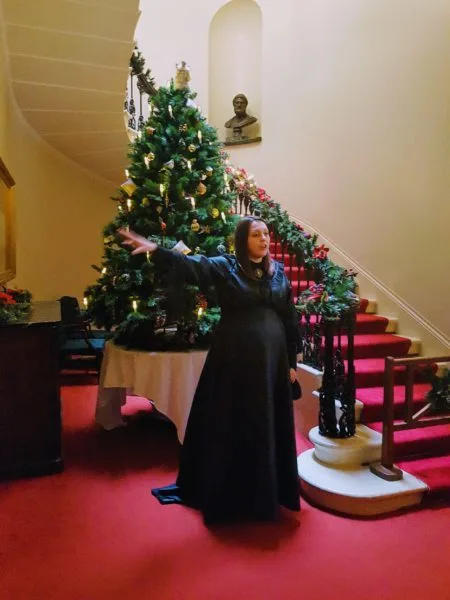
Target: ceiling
point(68, 62)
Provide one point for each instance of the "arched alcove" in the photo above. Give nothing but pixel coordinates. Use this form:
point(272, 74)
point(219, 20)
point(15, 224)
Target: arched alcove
point(235, 57)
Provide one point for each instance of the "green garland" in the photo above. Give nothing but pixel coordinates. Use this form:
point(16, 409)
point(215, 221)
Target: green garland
point(14, 305)
point(333, 292)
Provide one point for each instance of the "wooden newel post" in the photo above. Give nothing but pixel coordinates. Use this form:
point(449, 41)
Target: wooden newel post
point(386, 469)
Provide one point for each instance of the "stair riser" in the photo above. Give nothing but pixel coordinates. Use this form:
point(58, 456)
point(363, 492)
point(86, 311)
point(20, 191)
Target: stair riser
point(422, 448)
point(371, 414)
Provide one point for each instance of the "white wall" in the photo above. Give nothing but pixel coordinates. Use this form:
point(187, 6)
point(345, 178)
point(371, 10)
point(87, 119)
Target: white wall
point(356, 104)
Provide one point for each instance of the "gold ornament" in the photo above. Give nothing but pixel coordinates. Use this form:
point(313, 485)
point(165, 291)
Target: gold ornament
point(195, 226)
point(145, 202)
point(150, 130)
point(128, 187)
point(214, 213)
point(201, 189)
point(181, 247)
point(192, 148)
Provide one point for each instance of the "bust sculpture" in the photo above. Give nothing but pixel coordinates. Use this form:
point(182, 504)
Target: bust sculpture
point(240, 120)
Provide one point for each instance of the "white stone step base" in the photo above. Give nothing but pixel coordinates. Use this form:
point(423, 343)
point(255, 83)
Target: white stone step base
point(355, 490)
point(363, 448)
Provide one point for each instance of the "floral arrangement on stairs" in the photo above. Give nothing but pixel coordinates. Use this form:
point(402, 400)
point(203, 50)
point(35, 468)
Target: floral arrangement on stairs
point(332, 293)
point(14, 304)
point(439, 395)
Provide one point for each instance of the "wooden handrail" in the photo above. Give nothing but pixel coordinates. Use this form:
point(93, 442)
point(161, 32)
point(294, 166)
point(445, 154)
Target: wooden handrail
point(386, 469)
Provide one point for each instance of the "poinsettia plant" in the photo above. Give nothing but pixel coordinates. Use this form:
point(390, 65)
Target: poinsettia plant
point(332, 293)
point(14, 304)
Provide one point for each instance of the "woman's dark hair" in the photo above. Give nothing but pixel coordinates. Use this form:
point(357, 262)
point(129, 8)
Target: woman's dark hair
point(241, 248)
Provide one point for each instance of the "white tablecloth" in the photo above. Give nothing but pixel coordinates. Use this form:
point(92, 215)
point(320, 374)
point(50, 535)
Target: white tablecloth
point(168, 379)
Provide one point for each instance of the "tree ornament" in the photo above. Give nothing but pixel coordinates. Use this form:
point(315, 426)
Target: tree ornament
point(201, 188)
point(145, 202)
point(148, 158)
point(195, 226)
point(160, 321)
point(182, 76)
point(163, 226)
point(215, 212)
point(181, 247)
point(192, 148)
point(209, 171)
point(128, 187)
point(183, 128)
point(150, 130)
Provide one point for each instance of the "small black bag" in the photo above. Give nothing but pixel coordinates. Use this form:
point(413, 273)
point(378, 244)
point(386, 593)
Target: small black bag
point(296, 390)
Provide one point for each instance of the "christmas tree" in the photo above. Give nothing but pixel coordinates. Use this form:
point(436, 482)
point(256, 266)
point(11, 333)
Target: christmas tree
point(176, 194)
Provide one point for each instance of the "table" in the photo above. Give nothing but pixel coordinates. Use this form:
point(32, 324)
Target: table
point(30, 407)
point(168, 379)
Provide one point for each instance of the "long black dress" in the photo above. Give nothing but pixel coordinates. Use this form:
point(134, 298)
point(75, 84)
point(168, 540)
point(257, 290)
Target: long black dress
point(238, 459)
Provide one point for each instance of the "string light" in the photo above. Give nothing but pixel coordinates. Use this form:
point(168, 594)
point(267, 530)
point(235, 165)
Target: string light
point(161, 189)
point(127, 173)
point(146, 161)
point(224, 219)
point(85, 301)
point(193, 202)
point(104, 270)
point(129, 203)
point(200, 312)
point(148, 256)
point(189, 165)
point(134, 305)
point(199, 135)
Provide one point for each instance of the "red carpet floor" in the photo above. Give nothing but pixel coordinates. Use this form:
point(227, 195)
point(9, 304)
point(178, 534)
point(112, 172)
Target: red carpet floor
point(95, 532)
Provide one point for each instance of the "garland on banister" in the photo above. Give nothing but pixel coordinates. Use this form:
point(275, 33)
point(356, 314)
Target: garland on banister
point(14, 304)
point(332, 294)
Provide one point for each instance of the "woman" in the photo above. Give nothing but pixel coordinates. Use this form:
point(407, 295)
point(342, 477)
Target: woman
point(238, 458)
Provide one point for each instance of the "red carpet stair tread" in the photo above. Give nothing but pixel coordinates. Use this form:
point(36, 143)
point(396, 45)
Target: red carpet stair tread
point(423, 452)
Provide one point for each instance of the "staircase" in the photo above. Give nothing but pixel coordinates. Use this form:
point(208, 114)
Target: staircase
point(423, 453)
point(68, 64)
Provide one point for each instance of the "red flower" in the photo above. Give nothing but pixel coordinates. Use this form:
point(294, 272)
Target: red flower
point(320, 252)
point(6, 298)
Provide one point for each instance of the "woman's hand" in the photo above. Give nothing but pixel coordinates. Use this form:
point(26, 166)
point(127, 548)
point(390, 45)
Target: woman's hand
point(139, 243)
point(293, 375)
